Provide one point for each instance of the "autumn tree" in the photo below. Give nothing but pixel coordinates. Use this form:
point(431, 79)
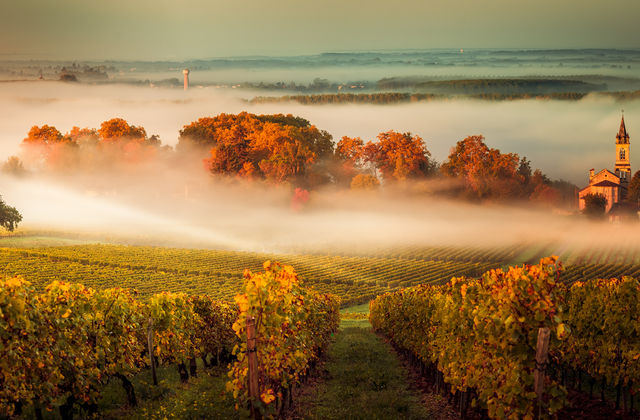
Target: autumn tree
point(207, 132)
point(45, 135)
point(399, 156)
point(46, 146)
point(350, 149)
point(633, 193)
point(365, 182)
point(545, 195)
point(121, 142)
point(488, 173)
point(595, 206)
point(13, 166)
point(9, 216)
point(117, 129)
point(116, 142)
point(277, 147)
point(349, 160)
point(83, 136)
point(279, 152)
point(567, 191)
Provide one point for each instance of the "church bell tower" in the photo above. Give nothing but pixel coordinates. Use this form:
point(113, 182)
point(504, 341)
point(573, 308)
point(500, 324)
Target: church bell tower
point(623, 167)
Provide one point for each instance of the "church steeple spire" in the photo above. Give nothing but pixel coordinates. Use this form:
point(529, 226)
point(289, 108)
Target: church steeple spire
point(623, 136)
point(623, 167)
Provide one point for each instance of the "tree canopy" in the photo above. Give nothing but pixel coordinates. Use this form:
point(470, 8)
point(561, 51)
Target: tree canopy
point(44, 135)
point(272, 147)
point(397, 156)
point(283, 148)
point(117, 129)
point(9, 216)
point(116, 141)
point(633, 194)
point(365, 182)
point(400, 156)
point(595, 206)
point(488, 173)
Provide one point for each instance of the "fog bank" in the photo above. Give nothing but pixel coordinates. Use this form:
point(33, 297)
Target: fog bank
point(564, 139)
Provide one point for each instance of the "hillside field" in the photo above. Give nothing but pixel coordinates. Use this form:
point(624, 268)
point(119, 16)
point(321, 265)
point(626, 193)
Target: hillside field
point(357, 276)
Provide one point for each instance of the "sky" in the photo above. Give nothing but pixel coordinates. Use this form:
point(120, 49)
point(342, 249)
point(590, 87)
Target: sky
point(188, 29)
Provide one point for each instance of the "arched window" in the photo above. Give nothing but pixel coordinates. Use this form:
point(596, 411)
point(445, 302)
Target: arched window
point(622, 154)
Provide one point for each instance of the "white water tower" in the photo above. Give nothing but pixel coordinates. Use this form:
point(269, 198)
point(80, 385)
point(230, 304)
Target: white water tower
point(186, 78)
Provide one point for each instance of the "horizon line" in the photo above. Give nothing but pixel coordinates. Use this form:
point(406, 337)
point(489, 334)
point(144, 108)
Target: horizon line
point(44, 57)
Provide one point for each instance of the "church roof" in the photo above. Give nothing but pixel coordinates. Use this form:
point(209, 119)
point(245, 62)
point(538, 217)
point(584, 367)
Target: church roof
point(606, 184)
point(622, 136)
point(608, 173)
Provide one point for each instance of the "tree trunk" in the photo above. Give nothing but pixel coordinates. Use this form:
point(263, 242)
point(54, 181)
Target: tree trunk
point(128, 389)
point(579, 380)
point(90, 408)
point(17, 408)
point(182, 370)
point(205, 362)
point(66, 409)
point(193, 367)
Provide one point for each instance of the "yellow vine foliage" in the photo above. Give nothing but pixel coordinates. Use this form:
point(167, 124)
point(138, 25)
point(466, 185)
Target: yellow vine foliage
point(482, 333)
point(293, 325)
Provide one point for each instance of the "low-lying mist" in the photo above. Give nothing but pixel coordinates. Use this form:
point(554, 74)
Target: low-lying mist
point(564, 139)
point(183, 205)
point(174, 210)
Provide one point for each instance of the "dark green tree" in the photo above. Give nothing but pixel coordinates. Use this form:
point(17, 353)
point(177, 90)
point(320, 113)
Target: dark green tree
point(633, 194)
point(594, 206)
point(9, 216)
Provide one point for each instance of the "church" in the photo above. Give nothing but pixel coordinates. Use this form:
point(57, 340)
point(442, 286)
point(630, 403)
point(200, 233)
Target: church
point(613, 185)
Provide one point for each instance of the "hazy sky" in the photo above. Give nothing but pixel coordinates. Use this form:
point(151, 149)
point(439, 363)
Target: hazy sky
point(173, 29)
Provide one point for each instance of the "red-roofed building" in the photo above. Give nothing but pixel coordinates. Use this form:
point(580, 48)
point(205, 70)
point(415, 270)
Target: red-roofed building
point(613, 186)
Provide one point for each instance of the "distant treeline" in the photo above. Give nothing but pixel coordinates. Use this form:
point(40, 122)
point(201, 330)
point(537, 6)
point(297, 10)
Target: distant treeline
point(387, 98)
point(490, 86)
point(624, 96)
point(342, 98)
point(318, 85)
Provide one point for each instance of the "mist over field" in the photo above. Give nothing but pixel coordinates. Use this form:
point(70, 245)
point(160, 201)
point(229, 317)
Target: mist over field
point(180, 203)
point(563, 138)
point(160, 210)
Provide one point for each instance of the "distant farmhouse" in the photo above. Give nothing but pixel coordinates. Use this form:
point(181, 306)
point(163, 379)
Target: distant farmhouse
point(612, 185)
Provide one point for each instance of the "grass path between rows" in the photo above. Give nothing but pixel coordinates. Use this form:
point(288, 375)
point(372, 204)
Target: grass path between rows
point(362, 378)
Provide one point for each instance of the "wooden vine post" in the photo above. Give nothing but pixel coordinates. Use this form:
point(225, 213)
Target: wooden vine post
point(254, 390)
point(152, 360)
point(542, 356)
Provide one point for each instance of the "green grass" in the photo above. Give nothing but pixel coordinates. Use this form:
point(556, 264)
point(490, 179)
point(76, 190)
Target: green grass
point(357, 309)
point(203, 397)
point(38, 241)
point(364, 380)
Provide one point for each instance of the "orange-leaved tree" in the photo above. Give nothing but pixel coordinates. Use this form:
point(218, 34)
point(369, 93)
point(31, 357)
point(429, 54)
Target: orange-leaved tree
point(399, 156)
point(277, 147)
point(488, 173)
